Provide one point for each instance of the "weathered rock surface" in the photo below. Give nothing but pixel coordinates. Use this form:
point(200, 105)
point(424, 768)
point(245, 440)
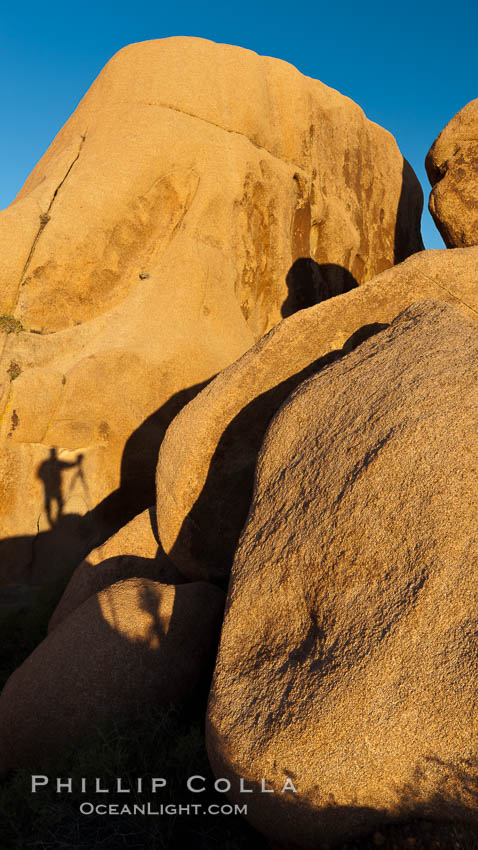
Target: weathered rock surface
point(134, 643)
point(203, 495)
point(152, 245)
point(133, 552)
point(452, 168)
point(348, 653)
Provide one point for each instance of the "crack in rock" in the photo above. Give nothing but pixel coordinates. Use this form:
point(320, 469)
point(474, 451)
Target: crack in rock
point(45, 217)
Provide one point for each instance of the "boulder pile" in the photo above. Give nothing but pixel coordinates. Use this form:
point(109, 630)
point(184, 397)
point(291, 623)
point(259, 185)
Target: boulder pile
point(239, 408)
point(203, 495)
point(179, 214)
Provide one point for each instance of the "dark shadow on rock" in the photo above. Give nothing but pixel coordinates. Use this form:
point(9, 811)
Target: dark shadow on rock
point(360, 336)
point(137, 490)
point(119, 723)
point(88, 579)
point(309, 283)
point(33, 559)
point(49, 555)
point(50, 474)
point(408, 238)
point(212, 528)
point(157, 651)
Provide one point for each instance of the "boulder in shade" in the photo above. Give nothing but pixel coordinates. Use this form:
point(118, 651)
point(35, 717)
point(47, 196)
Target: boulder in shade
point(134, 643)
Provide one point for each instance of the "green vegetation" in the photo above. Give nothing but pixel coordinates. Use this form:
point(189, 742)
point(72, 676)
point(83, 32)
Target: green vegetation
point(9, 324)
point(14, 370)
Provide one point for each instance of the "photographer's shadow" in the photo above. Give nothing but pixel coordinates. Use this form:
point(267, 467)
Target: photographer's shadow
point(50, 473)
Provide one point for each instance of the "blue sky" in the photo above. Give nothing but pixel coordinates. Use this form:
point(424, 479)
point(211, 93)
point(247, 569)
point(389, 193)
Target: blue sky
point(411, 66)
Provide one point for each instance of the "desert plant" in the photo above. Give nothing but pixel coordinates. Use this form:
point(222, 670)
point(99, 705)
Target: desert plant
point(14, 370)
point(9, 324)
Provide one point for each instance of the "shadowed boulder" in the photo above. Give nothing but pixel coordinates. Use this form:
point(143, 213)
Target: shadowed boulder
point(134, 643)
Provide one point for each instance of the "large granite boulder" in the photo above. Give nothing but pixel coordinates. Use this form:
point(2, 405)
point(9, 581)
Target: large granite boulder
point(347, 662)
point(138, 642)
point(170, 224)
point(204, 493)
point(452, 167)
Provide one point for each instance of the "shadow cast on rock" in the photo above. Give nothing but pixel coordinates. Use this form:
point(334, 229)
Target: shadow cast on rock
point(33, 559)
point(309, 283)
point(136, 642)
point(408, 238)
point(52, 554)
point(212, 528)
point(137, 490)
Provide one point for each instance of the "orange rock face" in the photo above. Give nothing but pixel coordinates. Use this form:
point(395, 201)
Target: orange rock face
point(347, 660)
point(167, 228)
point(203, 495)
point(452, 167)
